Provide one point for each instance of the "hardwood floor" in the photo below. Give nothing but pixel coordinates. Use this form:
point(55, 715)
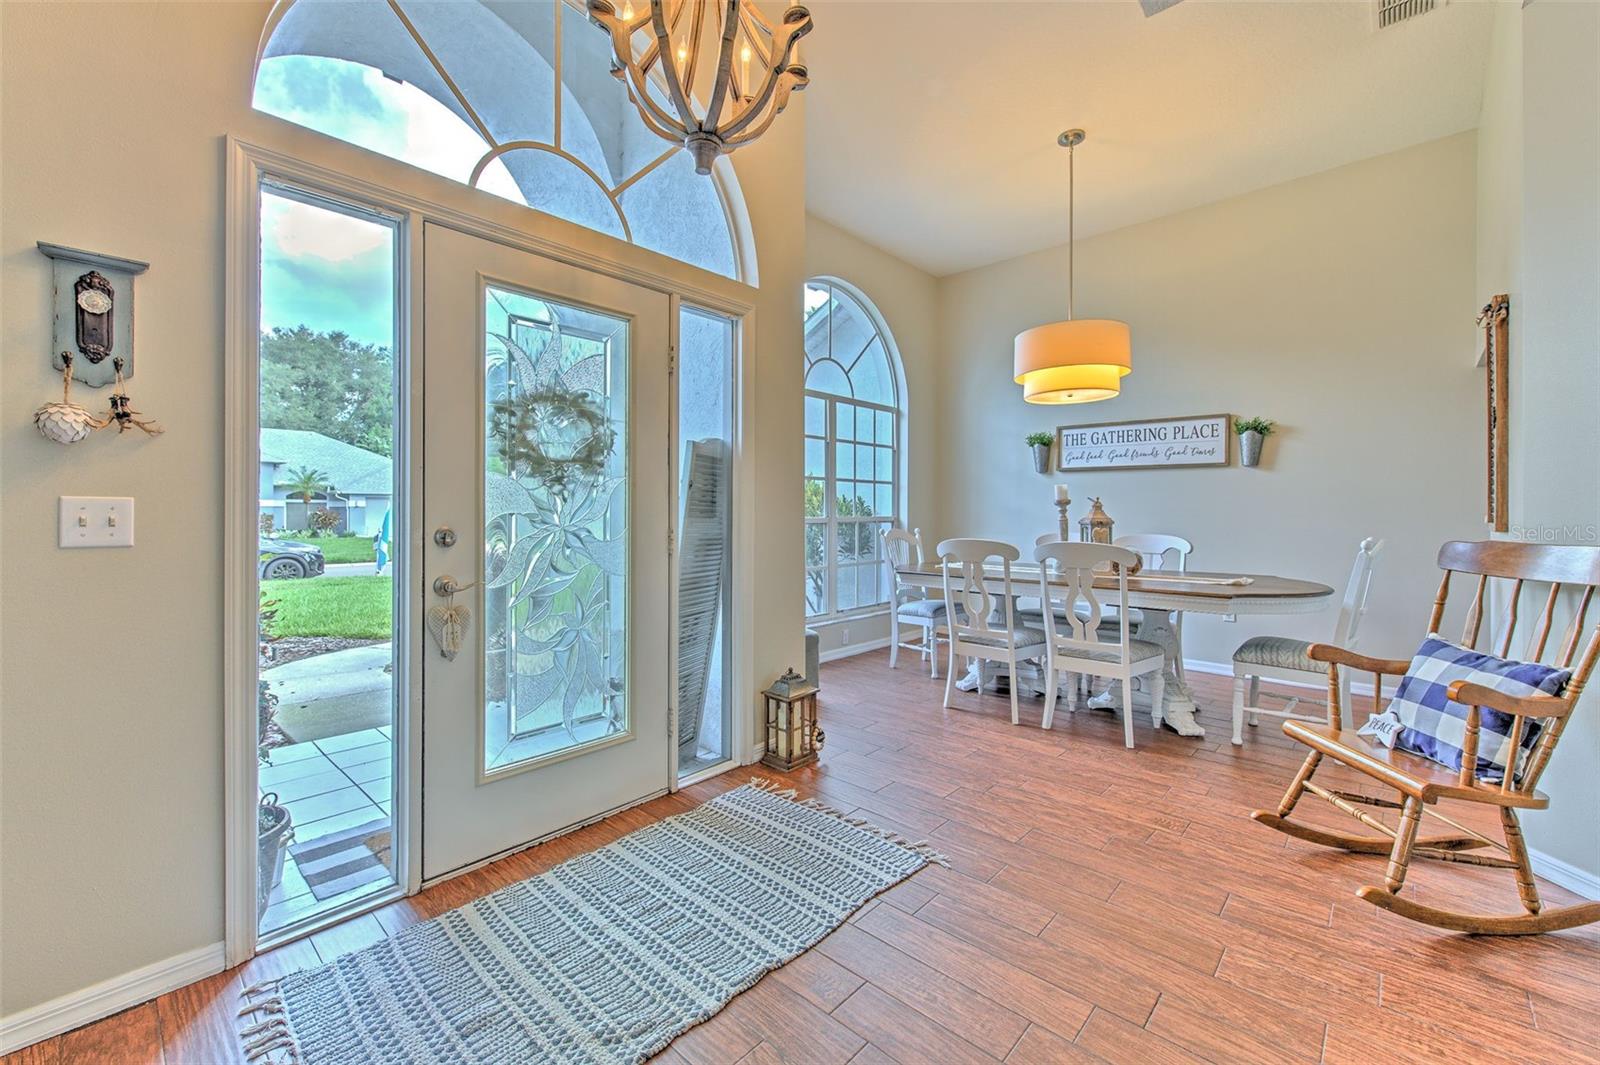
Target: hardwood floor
point(1100, 904)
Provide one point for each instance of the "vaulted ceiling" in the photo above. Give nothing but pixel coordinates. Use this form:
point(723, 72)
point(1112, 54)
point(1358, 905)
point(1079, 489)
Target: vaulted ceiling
point(931, 127)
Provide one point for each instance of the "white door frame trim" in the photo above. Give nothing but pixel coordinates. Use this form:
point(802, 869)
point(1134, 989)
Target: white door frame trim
point(741, 432)
point(324, 166)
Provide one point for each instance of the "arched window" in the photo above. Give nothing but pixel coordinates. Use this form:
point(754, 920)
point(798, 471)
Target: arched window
point(518, 101)
point(853, 461)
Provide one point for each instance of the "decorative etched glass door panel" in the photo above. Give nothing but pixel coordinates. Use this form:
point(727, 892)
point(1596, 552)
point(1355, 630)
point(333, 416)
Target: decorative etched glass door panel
point(547, 500)
point(556, 527)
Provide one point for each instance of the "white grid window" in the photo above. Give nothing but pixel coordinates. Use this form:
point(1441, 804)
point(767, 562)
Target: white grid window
point(852, 445)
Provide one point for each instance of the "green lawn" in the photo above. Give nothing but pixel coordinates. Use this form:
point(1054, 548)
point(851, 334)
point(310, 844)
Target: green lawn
point(337, 549)
point(351, 607)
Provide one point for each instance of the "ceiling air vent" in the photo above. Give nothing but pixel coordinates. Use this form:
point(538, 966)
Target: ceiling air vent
point(1392, 12)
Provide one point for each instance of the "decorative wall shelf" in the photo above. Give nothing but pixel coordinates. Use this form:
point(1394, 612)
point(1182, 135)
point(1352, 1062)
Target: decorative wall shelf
point(93, 306)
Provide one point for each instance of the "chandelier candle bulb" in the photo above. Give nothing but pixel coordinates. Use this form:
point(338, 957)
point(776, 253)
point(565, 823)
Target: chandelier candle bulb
point(794, 54)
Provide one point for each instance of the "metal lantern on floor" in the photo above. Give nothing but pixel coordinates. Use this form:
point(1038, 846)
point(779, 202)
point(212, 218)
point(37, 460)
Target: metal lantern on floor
point(1096, 526)
point(793, 737)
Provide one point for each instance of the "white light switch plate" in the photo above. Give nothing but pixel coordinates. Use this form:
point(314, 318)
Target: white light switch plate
point(96, 521)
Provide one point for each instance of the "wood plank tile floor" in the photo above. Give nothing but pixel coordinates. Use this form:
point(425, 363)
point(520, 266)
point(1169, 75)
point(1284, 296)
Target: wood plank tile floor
point(1101, 904)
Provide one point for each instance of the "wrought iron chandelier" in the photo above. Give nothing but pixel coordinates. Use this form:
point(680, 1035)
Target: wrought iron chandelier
point(758, 66)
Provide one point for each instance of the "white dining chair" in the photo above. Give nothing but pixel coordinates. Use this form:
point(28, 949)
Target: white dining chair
point(910, 605)
point(1029, 607)
point(1159, 551)
point(978, 623)
point(1075, 639)
point(1285, 658)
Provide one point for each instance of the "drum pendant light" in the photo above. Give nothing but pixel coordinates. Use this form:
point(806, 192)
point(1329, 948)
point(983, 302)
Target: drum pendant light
point(1079, 360)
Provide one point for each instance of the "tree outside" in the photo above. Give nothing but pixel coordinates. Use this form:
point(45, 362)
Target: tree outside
point(855, 543)
point(330, 384)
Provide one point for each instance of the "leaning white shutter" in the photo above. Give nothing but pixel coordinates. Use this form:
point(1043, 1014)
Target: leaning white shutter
point(702, 573)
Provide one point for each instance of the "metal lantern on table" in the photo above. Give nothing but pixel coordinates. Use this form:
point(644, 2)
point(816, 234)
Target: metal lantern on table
point(1096, 526)
point(793, 737)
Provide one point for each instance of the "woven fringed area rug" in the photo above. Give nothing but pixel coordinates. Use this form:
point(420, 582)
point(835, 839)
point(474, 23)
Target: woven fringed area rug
point(604, 958)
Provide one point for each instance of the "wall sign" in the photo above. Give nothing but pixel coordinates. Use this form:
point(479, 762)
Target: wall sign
point(1158, 443)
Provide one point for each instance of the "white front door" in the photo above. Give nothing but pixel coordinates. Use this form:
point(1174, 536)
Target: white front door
point(546, 455)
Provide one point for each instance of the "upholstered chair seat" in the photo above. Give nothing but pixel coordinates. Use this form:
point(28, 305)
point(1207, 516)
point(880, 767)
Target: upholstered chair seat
point(1279, 652)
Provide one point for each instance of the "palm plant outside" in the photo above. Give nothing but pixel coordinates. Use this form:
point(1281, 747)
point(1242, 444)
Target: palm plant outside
point(305, 483)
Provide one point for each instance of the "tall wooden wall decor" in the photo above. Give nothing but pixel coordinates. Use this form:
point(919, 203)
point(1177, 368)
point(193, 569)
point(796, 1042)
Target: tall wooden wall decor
point(1493, 320)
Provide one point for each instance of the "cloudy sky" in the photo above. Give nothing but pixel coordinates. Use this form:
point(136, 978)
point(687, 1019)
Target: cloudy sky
point(332, 271)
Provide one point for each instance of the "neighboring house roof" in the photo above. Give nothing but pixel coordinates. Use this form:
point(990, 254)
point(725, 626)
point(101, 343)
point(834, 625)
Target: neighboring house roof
point(351, 470)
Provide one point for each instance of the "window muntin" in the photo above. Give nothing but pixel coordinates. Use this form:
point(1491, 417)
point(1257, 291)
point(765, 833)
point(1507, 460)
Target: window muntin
point(852, 452)
point(518, 101)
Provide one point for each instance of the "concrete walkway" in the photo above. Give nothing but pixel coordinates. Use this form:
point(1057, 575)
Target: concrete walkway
point(332, 694)
point(351, 569)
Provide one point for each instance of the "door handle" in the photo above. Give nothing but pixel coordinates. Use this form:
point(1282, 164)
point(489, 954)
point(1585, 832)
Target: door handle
point(445, 586)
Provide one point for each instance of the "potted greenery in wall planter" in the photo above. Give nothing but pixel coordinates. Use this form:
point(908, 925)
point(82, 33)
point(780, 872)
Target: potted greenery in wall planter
point(1252, 431)
point(1040, 442)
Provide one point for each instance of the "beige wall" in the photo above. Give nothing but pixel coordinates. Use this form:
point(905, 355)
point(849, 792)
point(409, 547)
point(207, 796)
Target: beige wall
point(1555, 353)
point(1499, 166)
point(111, 843)
point(906, 298)
point(1339, 305)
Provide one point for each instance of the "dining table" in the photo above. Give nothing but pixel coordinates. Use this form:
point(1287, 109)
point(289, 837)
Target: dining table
point(1162, 598)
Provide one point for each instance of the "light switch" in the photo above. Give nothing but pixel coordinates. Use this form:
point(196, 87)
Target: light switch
point(96, 521)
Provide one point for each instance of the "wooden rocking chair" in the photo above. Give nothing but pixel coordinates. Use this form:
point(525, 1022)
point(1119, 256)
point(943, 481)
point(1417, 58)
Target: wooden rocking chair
point(1421, 783)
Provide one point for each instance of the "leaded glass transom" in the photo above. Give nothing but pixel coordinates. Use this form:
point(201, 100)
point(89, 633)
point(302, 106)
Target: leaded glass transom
point(518, 101)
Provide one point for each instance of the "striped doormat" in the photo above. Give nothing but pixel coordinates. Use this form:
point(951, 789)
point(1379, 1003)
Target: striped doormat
point(603, 959)
point(340, 861)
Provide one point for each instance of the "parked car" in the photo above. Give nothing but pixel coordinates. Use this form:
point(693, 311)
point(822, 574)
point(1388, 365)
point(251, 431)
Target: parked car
point(288, 559)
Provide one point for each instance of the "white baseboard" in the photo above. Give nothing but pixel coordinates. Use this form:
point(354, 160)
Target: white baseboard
point(109, 996)
point(1225, 669)
point(1580, 881)
point(853, 649)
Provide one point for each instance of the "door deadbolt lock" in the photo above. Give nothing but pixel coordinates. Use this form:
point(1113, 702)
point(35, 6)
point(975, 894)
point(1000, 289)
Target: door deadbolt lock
point(444, 536)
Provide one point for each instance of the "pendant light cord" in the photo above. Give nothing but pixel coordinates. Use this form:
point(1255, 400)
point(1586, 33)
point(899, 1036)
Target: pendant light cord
point(1071, 227)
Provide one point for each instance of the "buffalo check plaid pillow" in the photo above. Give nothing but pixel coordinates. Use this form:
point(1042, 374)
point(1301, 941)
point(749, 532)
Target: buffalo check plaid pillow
point(1435, 726)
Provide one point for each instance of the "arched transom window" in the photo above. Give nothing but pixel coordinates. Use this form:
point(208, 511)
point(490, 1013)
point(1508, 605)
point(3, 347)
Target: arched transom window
point(852, 466)
point(516, 99)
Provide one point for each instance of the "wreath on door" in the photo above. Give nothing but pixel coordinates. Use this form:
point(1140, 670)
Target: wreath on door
point(553, 435)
